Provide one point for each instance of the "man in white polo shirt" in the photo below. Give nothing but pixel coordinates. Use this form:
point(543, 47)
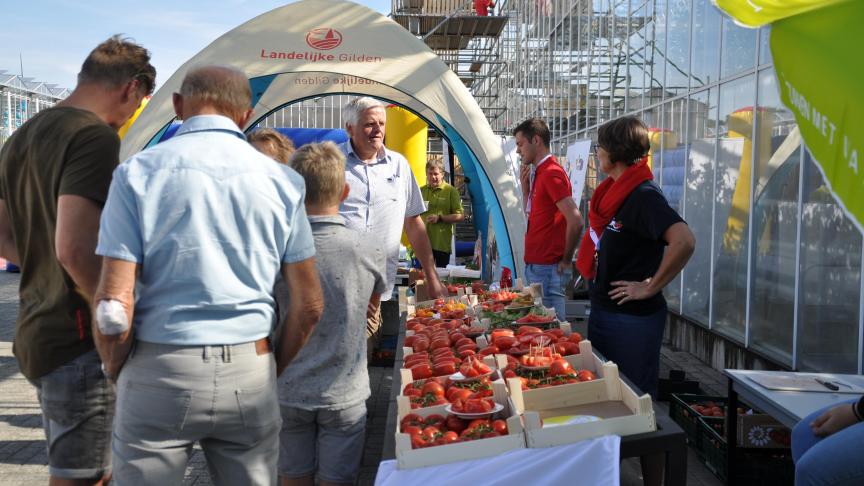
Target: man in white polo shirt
point(384, 198)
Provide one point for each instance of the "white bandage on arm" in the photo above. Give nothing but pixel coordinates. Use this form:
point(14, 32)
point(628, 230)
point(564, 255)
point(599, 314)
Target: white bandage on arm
point(111, 317)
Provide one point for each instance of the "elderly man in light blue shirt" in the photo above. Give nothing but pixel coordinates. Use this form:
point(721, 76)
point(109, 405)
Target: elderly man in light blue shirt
point(204, 223)
point(384, 199)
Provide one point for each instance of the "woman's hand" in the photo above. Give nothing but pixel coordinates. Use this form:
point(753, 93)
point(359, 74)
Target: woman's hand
point(834, 420)
point(624, 291)
point(432, 219)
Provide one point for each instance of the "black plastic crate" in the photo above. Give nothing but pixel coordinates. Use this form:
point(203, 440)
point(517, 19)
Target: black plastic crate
point(754, 466)
point(681, 411)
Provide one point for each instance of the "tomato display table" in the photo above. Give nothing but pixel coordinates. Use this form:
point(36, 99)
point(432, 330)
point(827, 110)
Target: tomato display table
point(668, 439)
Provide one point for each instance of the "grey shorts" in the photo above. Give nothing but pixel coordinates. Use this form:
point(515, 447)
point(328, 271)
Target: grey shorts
point(329, 442)
point(77, 410)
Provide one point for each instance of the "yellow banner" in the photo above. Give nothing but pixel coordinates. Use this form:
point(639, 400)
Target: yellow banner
point(756, 13)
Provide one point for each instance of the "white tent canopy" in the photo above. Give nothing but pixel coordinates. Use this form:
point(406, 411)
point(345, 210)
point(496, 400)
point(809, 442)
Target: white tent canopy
point(318, 47)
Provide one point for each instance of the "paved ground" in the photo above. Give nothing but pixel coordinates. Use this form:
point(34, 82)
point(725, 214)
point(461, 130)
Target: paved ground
point(22, 448)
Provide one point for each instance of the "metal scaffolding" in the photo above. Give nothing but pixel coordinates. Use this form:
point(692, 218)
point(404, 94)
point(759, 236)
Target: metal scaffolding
point(572, 62)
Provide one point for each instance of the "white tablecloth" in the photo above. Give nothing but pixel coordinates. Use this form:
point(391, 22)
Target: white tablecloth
point(594, 462)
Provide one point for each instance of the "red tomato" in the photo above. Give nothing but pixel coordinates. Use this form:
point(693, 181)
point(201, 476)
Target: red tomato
point(575, 338)
point(566, 348)
point(479, 423)
point(559, 333)
point(430, 433)
point(442, 352)
point(420, 345)
point(478, 405)
point(412, 419)
point(468, 371)
point(559, 367)
point(450, 437)
point(415, 361)
point(411, 430)
point(455, 424)
point(461, 394)
point(528, 330)
point(444, 369)
point(440, 343)
point(434, 388)
point(418, 442)
point(499, 426)
point(489, 350)
point(505, 342)
point(510, 374)
point(466, 352)
point(455, 337)
point(585, 375)
point(420, 371)
point(501, 332)
point(458, 405)
point(472, 346)
point(416, 355)
point(518, 350)
point(435, 420)
point(481, 367)
point(464, 341)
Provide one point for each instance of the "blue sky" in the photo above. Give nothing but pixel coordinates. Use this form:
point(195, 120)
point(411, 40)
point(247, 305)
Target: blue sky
point(54, 36)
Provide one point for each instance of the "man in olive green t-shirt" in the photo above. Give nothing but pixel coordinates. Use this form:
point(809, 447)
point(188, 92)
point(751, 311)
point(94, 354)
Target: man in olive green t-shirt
point(444, 208)
point(55, 171)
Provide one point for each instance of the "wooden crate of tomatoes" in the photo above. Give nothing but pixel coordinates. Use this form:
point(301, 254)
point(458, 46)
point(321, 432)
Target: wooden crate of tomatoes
point(428, 437)
point(571, 412)
point(438, 391)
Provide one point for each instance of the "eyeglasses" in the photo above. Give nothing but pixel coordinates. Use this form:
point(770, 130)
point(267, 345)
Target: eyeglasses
point(595, 147)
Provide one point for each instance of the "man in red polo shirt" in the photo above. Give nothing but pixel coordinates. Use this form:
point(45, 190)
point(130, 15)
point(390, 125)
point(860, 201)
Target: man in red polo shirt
point(554, 221)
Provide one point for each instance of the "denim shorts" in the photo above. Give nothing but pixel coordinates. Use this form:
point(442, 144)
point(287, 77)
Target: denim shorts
point(77, 410)
point(329, 442)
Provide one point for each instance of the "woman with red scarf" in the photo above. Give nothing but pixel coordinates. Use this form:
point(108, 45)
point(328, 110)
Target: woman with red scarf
point(636, 244)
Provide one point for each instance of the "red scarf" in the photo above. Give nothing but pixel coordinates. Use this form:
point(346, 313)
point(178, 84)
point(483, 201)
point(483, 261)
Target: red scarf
point(607, 198)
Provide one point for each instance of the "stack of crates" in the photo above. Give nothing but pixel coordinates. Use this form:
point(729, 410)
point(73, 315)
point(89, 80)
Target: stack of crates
point(764, 456)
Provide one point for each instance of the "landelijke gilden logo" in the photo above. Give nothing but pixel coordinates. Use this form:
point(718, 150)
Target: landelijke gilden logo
point(324, 38)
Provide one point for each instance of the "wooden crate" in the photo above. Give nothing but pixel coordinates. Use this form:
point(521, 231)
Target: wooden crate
point(403, 403)
point(408, 458)
point(621, 410)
